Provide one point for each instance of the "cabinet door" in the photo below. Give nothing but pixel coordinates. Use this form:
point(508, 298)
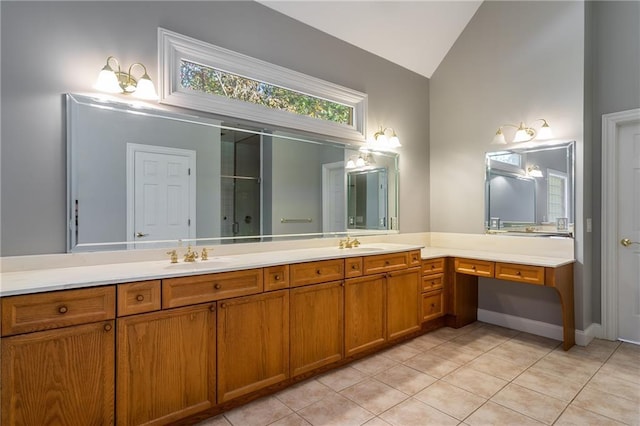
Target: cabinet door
point(364, 313)
point(166, 365)
point(253, 343)
point(317, 326)
point(403, 302)
point(61, 376)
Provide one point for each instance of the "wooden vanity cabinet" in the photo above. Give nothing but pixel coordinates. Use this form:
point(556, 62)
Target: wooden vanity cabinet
point(253, 343)
point(365, 313)
point(317, 326)
point(166, 367)
point(433, 289)
point(64, 375)
point(403, 302)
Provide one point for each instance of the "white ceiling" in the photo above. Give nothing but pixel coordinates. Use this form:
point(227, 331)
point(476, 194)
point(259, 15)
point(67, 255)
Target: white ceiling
point(414, 34)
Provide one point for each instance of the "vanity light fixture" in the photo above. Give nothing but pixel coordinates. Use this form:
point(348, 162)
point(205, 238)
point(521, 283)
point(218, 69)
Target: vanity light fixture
point(385, 138)
point(534, 171)
point(112, 81)
point(524, 133)
point(364, 159)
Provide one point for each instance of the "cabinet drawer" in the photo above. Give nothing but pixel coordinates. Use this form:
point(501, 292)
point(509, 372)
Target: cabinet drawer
point(385, 263)
point(276, 277)
point(206, 288)
point(480, 268)
point(432, 266)
point(43, 311)
point(316, 272)
point(138, 298)
point(521, 273)
point(352, 267)
point(432, 282)
point(415, 258)
point(432, 305)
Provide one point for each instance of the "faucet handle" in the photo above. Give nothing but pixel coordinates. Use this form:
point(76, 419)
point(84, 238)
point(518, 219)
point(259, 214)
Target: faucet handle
point(341, 244)
point(205, 254)
point(355, 243)
point(174, 256)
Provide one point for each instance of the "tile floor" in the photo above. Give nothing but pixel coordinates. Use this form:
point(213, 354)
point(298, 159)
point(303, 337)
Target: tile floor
point(477, 375)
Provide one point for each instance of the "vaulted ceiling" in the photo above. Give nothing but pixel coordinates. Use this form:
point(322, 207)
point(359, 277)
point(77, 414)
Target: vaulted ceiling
point(413, 34)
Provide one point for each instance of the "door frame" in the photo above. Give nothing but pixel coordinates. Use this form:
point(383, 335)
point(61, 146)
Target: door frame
point(609, 258)
point(326, 211)
point(132, 148)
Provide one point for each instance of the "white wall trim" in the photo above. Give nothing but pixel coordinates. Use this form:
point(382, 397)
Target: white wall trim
point(539, 328)
point(609, 259)
point(174, 47)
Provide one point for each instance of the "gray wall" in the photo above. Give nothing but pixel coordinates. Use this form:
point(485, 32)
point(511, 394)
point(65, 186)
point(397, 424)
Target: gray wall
point(50, 48)
point(612, 84)
point(515, 61)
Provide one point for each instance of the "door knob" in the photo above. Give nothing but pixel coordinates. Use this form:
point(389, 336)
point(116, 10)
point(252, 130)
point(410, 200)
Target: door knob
point(140, 235)
point(627, 242)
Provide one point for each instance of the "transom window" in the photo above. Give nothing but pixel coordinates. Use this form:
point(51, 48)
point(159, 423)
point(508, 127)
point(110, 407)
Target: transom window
point(205, 77)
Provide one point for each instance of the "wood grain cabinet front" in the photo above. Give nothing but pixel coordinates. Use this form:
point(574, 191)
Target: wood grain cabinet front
point(385, 263)
point(432, 305)
point(63, 376)
point(196, 289)
point(475, 267)
point(353, 267)
point(166, 365)
point(44, 311)
point(403, 302)
point(317, 326)
point(521, 273)
point(432, 282)
point(365, 313)
point(276, 277)
point(138, 298)
point(253, 343)
point(433, 266)
point(316, 272)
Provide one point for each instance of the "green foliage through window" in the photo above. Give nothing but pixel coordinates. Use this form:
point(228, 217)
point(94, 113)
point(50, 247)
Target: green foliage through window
point(213, 81)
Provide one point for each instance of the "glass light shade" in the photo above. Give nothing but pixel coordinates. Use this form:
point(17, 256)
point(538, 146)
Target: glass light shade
point(350, 164)
point(394, 142)
point(499, 139)
point(382, 140)
point(360, 162)
point(545, 132)
point(534, 171)
point(521, 136)
point(108, 81)
point(145, 89)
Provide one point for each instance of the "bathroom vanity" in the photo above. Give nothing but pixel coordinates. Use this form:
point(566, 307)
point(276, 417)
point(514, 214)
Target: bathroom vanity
point(185, 341)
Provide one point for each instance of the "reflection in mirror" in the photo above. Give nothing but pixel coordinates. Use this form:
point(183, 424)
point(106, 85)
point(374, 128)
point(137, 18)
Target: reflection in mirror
point(530, 190)
point(367, 207)
point(142, 177)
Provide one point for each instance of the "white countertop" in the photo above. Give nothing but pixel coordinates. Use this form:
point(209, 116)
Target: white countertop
point(51, 279)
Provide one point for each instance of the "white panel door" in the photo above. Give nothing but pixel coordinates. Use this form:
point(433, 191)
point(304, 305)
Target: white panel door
point(629, 228)
point(162, 202)
point(334, 217)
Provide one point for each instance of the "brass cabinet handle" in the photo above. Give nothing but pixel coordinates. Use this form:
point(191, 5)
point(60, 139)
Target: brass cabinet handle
point(217, 286)
point(627, 242)
point(276, 277)
point(63, 309)
point(107, 327)
point(473, 267)
point(139, 298)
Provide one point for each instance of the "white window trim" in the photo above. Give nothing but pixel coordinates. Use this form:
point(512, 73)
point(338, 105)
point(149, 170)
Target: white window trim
point(174, 48)
point(564, 177)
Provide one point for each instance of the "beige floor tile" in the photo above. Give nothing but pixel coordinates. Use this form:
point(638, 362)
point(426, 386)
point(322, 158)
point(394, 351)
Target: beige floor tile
point(342, 378)
point(603, 382)
point(432, 365)
point(450, 399)
point(425, 342)
point(537, 341)
point(597, 349)
point(335, 410)
point(498, 367)
point(373, 364)
point(478, 339)
point(494, 414)
point(577, 357)
point(376, 421)
point(530, 403)
point(620, 409)
point(571, 370)
point(519, 352)
point(401, 353)
point(476, 382)
point(260, 412)
point(456, 353)
point(501, 331)
point(405, 379)
point(549, 384)
point(374, 396)
point(415, 413)
point(215, 421)
point(625, 360)
point(448, 333)
point(291, 420)
point(622, 373)
point(576, 416)
point(303, 394)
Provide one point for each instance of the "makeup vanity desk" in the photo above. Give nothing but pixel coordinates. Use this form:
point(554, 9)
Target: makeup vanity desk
point(463, 267)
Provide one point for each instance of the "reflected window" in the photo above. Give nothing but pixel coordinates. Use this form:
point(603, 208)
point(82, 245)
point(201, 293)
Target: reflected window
point(556, 195)
point(511, 158)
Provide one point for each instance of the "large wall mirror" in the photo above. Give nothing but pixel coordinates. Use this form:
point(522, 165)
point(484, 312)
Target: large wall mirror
point(141, 177)
point(530, 190)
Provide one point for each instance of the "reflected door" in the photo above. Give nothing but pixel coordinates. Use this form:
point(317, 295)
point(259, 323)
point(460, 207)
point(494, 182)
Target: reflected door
point(162, 207)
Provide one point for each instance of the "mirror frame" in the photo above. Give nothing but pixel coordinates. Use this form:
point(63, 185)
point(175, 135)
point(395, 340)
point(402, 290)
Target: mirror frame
point(530, 228)
point(196, 117)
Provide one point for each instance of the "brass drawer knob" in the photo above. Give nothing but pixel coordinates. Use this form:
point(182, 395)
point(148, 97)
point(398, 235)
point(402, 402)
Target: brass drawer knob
point(276, 277)
point(107, 327)
point(223, 305)
point(217, 286)
point(139, 298)
point(354, 266)
point(319, 272)
point(63, 309)
point(212, 308)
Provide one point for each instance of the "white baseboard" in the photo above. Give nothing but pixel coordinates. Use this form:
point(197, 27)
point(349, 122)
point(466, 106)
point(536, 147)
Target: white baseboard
point(538, 328)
